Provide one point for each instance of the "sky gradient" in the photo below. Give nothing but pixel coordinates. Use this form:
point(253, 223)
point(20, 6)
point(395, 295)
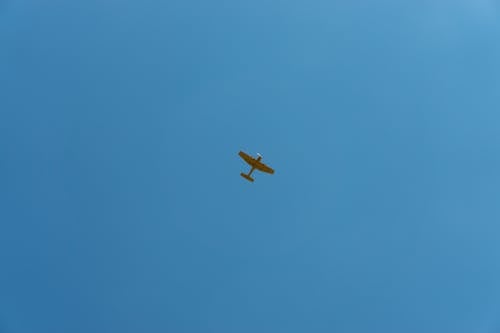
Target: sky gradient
point(121, 204)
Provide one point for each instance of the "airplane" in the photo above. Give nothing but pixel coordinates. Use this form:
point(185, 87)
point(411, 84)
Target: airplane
point(255, 163)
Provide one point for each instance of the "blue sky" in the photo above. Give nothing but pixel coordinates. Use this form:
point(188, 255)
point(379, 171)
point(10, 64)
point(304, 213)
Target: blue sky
point(121, 204)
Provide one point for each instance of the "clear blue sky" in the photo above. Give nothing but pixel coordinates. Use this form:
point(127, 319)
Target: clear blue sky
point(121, 204)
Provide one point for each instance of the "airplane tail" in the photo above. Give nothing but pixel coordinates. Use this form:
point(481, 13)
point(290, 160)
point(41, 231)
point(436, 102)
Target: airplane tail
point(247, 177)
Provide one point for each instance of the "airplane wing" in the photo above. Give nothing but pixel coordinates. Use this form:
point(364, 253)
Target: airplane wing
point(247, 158)
point(264, 168)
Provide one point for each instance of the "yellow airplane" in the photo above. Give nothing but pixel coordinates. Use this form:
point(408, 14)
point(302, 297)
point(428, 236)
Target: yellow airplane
point(255, 163)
